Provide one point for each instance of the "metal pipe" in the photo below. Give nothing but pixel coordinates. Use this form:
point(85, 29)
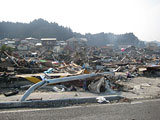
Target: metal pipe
point(59, 80)
point(78, 77)
point(31, 89)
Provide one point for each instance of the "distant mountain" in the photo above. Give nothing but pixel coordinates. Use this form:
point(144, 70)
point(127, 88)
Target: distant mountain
point(38, 28)
point(157, 42)
point(102, 39)
point(41, 28)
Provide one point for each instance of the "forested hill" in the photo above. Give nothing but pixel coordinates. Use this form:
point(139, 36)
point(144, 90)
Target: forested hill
point(102, 39)
point(40, 28)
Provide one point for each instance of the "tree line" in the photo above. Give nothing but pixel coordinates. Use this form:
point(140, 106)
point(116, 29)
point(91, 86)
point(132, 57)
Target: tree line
point(40, 28)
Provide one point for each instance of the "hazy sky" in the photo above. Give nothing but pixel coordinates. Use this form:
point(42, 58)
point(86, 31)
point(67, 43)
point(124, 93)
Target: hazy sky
point(141, 17)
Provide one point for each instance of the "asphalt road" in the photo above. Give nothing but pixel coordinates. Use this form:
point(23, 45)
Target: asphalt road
point(141, 110)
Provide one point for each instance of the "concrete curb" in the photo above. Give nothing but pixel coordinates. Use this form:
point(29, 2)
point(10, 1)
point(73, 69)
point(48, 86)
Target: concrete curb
point(55, 103)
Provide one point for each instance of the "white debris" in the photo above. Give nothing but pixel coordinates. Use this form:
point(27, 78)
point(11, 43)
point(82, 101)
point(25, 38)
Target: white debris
point(102, 100)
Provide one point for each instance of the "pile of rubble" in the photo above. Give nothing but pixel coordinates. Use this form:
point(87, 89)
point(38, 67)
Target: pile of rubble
point(19, 72)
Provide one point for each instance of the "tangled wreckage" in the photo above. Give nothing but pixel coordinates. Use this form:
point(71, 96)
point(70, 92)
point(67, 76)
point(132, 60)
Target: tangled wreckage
point(88, 69)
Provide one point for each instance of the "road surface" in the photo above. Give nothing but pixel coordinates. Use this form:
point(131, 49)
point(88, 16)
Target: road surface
point(140, 110)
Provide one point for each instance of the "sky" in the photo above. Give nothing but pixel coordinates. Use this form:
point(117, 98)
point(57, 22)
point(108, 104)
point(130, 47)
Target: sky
point(141, 17)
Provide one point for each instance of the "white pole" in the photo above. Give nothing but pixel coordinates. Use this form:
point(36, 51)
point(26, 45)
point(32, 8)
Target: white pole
point(60, 80)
